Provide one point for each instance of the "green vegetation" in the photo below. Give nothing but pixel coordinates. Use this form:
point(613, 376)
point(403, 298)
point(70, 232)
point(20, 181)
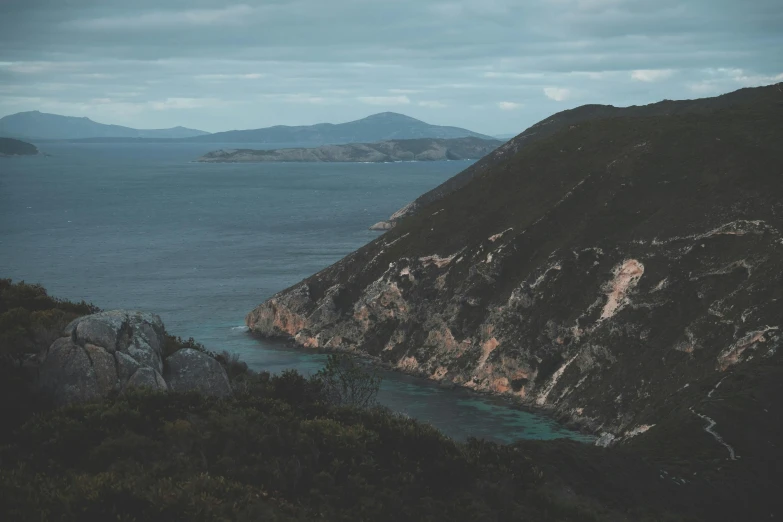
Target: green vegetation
point(30, 320)
point(345, 383)
point(284, 447)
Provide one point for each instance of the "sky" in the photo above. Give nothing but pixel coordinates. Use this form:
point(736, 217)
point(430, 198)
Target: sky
point(492, 66)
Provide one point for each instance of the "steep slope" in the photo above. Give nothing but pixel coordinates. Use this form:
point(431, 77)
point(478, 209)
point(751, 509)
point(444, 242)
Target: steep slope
point(378, 127)
point(12, 147)
point(625, 273)
point(423, 149)
point(563, 120)
point(53, 126)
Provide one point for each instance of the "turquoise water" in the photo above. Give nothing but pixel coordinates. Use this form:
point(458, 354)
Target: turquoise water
point(142, 226)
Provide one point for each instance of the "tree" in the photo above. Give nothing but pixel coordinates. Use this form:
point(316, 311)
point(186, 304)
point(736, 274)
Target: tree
point(346, 383)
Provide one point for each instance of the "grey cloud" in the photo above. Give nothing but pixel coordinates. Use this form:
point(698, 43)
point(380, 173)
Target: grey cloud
point(219, 65)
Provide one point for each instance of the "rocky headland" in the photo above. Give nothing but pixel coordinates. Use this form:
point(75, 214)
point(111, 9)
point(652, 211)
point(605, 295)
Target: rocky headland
point(622, 271)
point(424, 149)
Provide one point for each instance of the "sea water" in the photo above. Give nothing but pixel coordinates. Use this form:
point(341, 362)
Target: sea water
point(144, 226)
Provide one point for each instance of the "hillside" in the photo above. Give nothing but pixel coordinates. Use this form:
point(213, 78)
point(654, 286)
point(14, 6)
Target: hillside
point(378, 127)
point(12, 147)
point(563, 120)
point(42, 125)
point(279, 447)
point(423, 149)
point(623, 273)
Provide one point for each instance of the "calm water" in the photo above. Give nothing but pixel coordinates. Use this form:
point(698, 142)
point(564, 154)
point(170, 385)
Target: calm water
point(141, 226)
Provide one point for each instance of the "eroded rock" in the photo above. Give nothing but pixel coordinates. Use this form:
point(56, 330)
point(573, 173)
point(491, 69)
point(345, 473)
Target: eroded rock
point(192, 370)
point(105, 353)
point(111, 352)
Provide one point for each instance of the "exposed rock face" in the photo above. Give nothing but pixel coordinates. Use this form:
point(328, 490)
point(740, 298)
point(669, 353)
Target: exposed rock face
point(191, 370)
point(105, 353)
point(611, 274)
point(113, 351)
point(382, 225)
point(424, 149)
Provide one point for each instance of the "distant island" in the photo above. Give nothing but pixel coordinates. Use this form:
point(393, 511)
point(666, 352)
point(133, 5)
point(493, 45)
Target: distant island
point(41, 125)
point(12, 147)
point(424, 149)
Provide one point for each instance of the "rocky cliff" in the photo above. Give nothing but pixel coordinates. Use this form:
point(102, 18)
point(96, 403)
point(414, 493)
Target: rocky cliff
point(622, 272)
point(425, 149)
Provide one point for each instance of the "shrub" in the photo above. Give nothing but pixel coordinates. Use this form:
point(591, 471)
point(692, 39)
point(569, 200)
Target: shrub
point(345, 383)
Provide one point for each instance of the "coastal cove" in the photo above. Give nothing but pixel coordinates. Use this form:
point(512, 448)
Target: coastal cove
point(142, 226)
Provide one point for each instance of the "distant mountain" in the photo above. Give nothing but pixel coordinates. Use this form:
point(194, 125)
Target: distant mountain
point(378, 127)
point(505, 137)
point(423, 149)
point(40, 125)
point(12, 147)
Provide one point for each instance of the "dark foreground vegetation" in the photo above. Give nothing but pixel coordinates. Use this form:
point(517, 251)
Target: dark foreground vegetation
point(284, 447)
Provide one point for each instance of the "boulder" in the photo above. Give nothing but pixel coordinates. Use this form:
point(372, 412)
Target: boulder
point(105, 353)
point(383, 225)
point(146, 378)
point(67, 371)
point(192, 370)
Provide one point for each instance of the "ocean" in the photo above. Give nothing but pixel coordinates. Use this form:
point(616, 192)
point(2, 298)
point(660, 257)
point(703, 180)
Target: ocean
point(142, 226)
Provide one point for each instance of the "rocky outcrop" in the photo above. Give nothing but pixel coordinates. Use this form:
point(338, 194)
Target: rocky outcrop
point(382, 225)
point(610, 275)
point(191, 370)
point(424, 149)
point(110, 352)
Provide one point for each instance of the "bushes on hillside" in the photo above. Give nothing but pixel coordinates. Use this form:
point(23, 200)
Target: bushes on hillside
point(345, 383)
point(283, 448)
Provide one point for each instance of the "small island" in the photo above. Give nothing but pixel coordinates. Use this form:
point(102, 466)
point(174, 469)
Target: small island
point(423, 149)
point(12, 147)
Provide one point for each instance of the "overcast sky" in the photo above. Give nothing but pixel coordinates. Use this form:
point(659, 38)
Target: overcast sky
point(493, 66)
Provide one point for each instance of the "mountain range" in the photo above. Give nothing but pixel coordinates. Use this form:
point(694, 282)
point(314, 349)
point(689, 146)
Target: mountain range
point(41, 125)
point(377, 127)
point(34, 125)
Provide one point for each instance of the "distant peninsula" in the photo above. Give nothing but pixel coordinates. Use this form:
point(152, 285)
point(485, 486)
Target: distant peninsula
point(423, 149)
point(44, 126)
point(12, 147)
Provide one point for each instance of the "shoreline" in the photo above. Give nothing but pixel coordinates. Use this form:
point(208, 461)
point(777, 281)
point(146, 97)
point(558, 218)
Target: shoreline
point(583, 428)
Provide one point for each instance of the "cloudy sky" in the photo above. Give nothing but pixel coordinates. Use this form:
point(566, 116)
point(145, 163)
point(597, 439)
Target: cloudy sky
point(494, 66)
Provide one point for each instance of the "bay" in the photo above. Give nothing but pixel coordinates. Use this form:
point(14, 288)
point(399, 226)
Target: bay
point(142, 226)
